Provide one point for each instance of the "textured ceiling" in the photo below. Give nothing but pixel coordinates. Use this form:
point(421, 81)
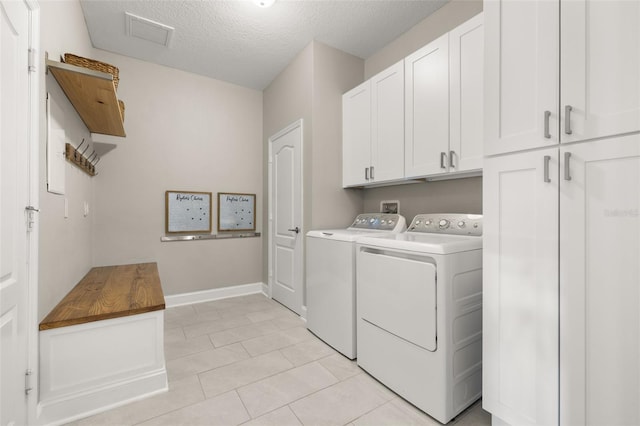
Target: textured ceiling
point(239, 42)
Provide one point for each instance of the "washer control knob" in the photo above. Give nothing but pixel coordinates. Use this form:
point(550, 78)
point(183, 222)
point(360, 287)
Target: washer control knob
point(428, 222)
point(443, 224)
point(461, 224)
point(372, 220)
point(390, 222)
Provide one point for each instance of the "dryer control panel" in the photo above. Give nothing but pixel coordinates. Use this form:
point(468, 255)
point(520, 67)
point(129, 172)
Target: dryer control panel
point(447, 223)
point(380, 221)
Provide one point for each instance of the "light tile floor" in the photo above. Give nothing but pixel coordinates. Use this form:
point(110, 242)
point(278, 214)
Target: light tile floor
point(248, 360)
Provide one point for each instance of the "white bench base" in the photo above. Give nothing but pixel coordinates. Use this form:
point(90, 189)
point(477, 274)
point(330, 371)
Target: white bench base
point(89, 368)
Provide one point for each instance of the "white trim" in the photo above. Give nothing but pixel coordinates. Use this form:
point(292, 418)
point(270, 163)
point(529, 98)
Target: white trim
point(34, 200)
point(214, 294)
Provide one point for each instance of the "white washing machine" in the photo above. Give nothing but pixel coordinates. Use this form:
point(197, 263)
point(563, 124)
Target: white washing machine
point(420, 312)
point(331, 277)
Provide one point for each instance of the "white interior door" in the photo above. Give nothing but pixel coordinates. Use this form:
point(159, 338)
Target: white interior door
point(285, 218)
point(14, 197)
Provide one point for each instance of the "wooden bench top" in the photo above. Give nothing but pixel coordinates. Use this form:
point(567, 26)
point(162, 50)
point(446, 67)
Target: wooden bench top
point(109, 292)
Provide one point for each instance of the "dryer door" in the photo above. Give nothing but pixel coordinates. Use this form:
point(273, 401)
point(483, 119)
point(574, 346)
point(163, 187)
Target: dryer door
point(397, 293)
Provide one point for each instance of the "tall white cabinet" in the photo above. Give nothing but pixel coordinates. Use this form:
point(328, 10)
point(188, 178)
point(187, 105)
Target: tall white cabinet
point(562, 212)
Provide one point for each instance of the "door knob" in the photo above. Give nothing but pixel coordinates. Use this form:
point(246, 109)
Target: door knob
point(296, 230)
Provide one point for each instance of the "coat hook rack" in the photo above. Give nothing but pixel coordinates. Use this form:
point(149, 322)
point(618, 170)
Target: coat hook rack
point(77, 157)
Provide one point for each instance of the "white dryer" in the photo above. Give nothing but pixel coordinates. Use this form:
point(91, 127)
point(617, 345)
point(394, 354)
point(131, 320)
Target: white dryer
point(331, 277)
point(420, 312)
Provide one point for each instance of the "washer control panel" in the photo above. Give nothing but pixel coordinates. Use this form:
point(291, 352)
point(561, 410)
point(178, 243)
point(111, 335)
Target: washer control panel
point(380, 221)
point(447, 223)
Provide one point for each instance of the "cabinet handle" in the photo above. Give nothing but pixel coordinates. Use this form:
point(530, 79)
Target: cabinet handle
point(366, 173)
point(567, 168)
point(547, 158)
point(547, 115)
point(371, 172)
point(567, 119)
point(443, 160)
point(451, 154)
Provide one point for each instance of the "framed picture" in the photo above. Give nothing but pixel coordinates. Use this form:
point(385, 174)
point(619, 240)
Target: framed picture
point(187, 212)
point(236, 212)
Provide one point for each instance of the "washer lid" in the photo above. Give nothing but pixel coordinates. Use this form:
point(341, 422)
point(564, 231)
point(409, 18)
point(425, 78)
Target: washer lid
point(425, 243)
point(346, 234)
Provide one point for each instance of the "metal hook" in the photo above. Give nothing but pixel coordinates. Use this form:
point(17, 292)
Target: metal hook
point(85, 150)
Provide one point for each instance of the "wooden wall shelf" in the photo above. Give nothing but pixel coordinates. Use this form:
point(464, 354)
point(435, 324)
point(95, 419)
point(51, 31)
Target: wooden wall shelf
point(92, 94)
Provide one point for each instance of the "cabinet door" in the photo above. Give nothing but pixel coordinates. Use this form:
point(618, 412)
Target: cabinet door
point(356, 135)
point(599, 283)
point(466, 59)
point(521, 74)
point(387, 138)
point(520, 288)
point(600, 68)
point(427, 109)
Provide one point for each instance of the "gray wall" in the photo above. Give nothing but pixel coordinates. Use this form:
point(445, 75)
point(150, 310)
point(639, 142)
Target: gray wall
point(65, 244)
point(311, 88)
point(454, 196)
point(185, 132)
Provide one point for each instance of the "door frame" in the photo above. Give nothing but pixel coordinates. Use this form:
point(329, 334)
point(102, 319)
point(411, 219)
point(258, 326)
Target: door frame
point(34, 200)
point(272, 138)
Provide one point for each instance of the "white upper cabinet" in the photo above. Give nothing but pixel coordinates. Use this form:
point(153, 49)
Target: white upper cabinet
point(373, 130)
point(427, 109)
point(600, 69)
point(466, 80)
point(422, 116)
point(444, 103)
point(521, 75)
point(387, 118)
point(546, 86)
point(356, 135)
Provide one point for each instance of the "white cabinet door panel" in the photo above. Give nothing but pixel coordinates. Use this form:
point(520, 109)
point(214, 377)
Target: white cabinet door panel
point(600, 68)
point(356, 134)
point(599, 284)
point(466, 59)
point(387, 117)
point(520, 280)
point(427, 109)
point(521, 74)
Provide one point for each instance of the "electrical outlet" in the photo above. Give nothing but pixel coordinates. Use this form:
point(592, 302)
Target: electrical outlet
point(86, 208)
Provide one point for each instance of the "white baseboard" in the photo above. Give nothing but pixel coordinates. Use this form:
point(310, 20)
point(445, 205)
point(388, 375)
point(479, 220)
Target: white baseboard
point(214, 294)
point(89, 403)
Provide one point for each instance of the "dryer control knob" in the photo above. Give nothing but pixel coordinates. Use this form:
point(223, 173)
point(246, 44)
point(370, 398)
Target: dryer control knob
point(461, 224)
point(443, 224)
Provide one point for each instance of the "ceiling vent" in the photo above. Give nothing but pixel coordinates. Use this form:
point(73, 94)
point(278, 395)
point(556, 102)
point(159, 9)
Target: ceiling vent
point(149, 30)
